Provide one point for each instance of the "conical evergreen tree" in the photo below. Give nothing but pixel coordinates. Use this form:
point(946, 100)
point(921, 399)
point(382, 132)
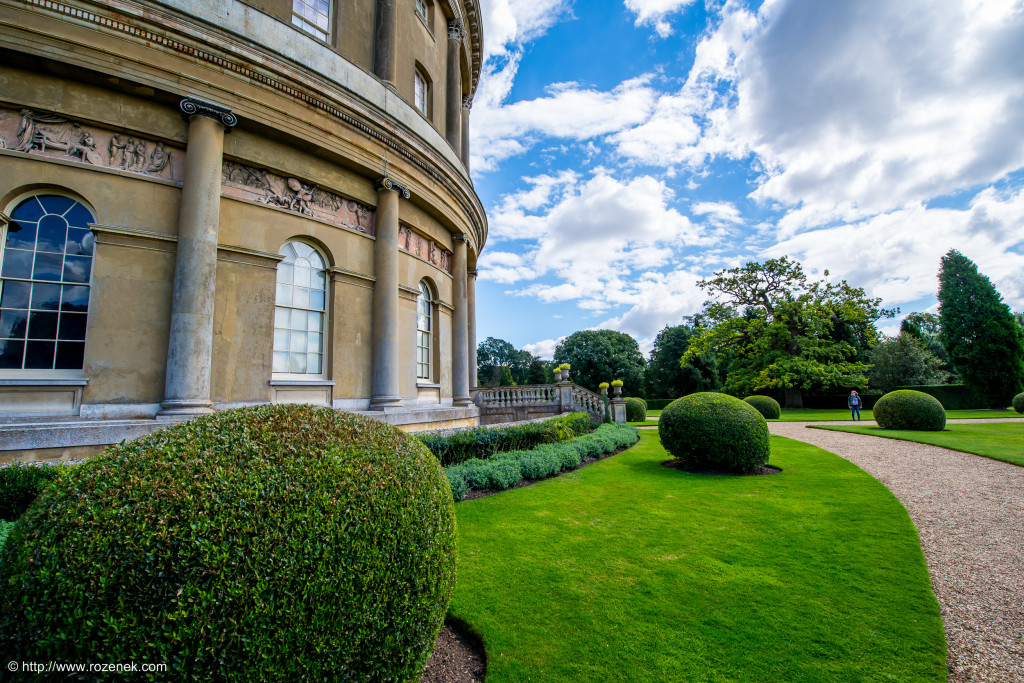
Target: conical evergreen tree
point(984, 342)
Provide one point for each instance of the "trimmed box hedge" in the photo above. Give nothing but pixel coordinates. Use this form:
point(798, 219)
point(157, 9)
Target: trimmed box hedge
point(483, 442)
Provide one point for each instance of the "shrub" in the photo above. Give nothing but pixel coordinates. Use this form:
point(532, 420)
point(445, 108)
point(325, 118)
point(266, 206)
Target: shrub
point(636, 410)
point(496, 474)
point(1018, 403)
point(21, 484)
point(5, 530)
point(709, 431)
point(766, 405)
point(457, 481)
point(266, 543)
point(539, 464)
point(907, 409)
point(455, 447)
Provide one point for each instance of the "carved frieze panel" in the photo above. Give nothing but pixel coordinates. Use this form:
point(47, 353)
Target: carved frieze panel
point(425, 248)
point(58, 137)
point(293, 194)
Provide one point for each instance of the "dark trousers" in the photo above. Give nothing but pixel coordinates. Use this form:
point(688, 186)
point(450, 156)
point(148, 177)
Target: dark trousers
point(854, 412)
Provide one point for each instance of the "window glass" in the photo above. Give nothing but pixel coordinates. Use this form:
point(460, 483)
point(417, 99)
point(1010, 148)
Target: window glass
point(420, 94)
point(421, 9)
point(44, 284)
point(312, 16)
point(300, 311)
point(423, 329)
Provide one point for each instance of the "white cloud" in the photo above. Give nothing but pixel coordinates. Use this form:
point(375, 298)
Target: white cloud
point(653, 12)
point(508, 23)
point(719, 213)
point(896, 255)
point(544, 349)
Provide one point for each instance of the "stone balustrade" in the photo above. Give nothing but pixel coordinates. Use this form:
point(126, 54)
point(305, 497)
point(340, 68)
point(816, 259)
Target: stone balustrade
point(514, 404)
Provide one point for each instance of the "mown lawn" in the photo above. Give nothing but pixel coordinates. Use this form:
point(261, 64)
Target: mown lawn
point(997, 440)
point(627, 570)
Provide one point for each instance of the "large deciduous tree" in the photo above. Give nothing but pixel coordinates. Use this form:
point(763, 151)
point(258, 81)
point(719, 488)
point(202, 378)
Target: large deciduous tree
point(793, 334)
point(903, 360)
point(601, 356)
point(492, 355)
point(984, 342)
point(665, 377)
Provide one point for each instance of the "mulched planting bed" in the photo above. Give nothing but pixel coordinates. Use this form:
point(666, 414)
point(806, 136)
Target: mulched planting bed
point(458, 657)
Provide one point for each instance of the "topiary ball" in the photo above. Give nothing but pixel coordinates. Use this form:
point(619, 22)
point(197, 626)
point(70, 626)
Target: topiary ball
point(907, 409)
point(708, 431)
point(636, 410)
point(1018, 403)
point(766, 405)
point(267, 543)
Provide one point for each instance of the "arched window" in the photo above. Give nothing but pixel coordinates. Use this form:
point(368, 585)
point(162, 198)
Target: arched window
point(299, 311)
point(424, 330)
point(44, 284)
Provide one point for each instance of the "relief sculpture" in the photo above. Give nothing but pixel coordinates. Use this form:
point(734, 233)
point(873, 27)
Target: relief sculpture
point(293, 194)
point(55, 136)
point(425, 248)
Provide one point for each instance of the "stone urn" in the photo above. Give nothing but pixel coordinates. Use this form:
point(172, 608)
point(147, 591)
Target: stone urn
point(558, 375)
point(604, 391)
point(565, 374)
point(617, 389)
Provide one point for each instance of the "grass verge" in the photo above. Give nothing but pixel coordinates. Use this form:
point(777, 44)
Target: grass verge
point(822, 415)
point(627, 570)
point(997, 440)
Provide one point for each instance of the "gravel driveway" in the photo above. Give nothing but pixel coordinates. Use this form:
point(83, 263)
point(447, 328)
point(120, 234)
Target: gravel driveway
point(969, 512)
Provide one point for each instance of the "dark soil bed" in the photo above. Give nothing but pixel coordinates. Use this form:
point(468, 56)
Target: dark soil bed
point(764, 469)
point(458, 657)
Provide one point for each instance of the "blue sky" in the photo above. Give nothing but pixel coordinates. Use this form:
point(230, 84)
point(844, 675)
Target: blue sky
point(624, 149)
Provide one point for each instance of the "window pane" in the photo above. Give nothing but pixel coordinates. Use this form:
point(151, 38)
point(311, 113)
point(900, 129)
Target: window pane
point(13, 324)
point(284, 295)
point(79, 242)
point(313, 343)
point(316, 299)
point(313, 364)
point(298, 342)
point(280, 361)
point(21, 235)
point(297, 363)
point(282, 317)
point(11, 354)
point(45, 297)
point(79, 217)
point(73, 298)
point(70, 356)
point(48, 266)
point(300, 297)
point(17, 264)
point(39, 355)
point(280, 340)
point(319, 279)
point(72, 326)
point(285, 272)
point(313, 321)
point(53, 231)
point(302, 273)
point(76, 268)
point(56, 204)
point(42, 325)
point(29, 210)
point(15, 294)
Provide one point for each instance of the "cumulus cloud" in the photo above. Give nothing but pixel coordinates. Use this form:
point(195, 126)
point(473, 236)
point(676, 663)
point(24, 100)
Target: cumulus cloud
point(654, 12)
point(510, 23)
point(544, 349)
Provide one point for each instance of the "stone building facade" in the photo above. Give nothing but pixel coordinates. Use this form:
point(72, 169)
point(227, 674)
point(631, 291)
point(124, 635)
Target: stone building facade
point(212, 203)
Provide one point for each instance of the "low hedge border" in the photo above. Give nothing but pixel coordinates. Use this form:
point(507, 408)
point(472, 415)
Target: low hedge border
point(505, 470)
point(20, 484)
point(481, 443)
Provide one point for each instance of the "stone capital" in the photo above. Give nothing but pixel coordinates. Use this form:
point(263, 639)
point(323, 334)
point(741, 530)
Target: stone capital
point(456, 31)
point(472, 272)
point(193, 106)
point(460, 238)
point(390, 184)
point(467, 102)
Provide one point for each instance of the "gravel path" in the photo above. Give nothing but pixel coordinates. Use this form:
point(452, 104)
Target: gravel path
point(969, 512)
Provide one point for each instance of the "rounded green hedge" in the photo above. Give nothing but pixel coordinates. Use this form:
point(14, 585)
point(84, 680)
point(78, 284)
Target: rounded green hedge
point(908, 409)
point(766, 405)
point(636, 410)
point(709, 431)
point(1018, 403)
point(267, 543)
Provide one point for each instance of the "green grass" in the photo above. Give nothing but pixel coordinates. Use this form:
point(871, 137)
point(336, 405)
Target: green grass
point(820, 415)
point(629, 571)
point(997, 440)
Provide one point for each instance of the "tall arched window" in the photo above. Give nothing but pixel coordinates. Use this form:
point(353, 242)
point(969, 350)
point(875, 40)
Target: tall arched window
point(44, 284)
point(424, 330)
point(300, 310)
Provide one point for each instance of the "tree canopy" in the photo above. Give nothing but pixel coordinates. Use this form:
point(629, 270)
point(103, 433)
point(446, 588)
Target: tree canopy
point(903, 360)
point(792, 333)
point(665, 377)
point(984, 342)
point(601, 356)
point(494, 355)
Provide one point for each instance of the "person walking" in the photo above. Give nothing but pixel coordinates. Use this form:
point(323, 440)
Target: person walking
point(853, 402)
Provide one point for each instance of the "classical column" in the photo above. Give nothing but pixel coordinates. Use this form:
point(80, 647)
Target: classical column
point(471, 308)
point(453, 100)
point(385, 40)
point(385, 373)
point(467, 104)
point(190, 344)
point(460, 331)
